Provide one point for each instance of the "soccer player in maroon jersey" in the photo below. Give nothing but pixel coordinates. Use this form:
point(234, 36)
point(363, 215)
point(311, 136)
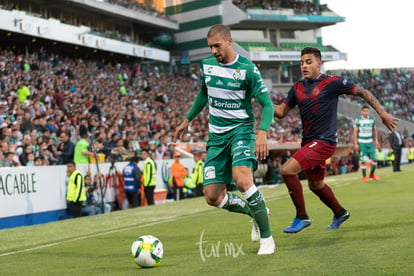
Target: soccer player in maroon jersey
point(317, 98)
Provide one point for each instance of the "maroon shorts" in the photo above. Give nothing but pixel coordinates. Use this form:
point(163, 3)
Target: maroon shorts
point(312, 157)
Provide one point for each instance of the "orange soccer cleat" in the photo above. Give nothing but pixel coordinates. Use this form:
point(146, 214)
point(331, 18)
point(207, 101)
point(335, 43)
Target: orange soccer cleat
point(365, 179)
point(373, 176)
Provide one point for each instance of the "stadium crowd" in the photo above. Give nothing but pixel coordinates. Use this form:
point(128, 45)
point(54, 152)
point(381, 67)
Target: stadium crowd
point(144, 6)
point(392, 87)
point(45, 96)
point(299, 7)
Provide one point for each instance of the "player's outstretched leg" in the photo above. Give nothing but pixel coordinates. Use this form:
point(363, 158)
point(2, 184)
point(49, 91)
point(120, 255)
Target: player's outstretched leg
point(255, 236)
point(338, 220)
point(234, 203)
point(302, 220)
point(259, 211)
point(327, 196)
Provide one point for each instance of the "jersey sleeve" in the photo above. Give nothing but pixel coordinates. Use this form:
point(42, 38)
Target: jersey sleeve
point(261, 93)
point(257, 84)
point(356, 122)
point(343, 86)
point(199, 103)
point(291, 99)
point(200, 100)
point(267, 111)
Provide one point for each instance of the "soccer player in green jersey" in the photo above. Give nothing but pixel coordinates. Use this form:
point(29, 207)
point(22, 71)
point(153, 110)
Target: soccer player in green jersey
point(228, 83)
point(365, 141)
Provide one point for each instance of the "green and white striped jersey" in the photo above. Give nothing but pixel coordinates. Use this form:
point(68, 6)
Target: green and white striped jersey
point(365, 129)
point(229, 89)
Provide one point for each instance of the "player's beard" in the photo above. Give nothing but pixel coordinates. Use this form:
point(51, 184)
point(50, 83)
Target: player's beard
point(219, 58)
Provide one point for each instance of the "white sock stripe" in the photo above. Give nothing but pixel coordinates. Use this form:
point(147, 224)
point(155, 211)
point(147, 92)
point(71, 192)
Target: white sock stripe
point(224, 201)
point(250, 191)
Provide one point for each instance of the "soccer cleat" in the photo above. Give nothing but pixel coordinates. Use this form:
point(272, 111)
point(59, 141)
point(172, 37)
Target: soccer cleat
point(365, 179)
point(255, 236)
point(338, 221)
point(297, 225)
point(373, 176)
point(267, 246)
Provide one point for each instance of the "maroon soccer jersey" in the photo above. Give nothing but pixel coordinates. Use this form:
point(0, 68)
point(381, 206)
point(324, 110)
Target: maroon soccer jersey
point(317, 100)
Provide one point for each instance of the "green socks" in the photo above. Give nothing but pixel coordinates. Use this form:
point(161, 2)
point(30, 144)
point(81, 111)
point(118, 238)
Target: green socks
point(234, 203)
point(254, 206)
point(258, 208)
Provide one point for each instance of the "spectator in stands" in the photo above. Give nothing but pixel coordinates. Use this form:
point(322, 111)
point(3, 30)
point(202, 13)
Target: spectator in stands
point(159, 152)
point(15, 137)
point(66, 149)
point(30, 159)
point(2, 158)
point(23, 158)
point(38, 161)
point(48, 155)
point(170, 150)
point(319, 123)
point(76, 194)
point(59, 99)
point(98, 149)
point(110, 145)
point(23, 92)
point(10, 161)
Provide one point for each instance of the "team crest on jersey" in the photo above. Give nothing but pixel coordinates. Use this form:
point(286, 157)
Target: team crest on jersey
point(237, 74)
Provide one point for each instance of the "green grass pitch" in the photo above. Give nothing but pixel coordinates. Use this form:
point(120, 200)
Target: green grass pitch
point(378, 239)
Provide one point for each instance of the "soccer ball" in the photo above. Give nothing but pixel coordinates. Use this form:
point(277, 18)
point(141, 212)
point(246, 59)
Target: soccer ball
point(147, 251)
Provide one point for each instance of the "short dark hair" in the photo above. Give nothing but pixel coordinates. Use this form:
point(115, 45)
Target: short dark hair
point(39, 158)
point(134, 159)
point(312, 50)
point(364, 106)
point(221, 29)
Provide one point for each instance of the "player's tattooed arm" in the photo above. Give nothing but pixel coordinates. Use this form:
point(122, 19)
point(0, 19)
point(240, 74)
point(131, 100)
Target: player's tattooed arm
point(369, 98)
point(389, 121)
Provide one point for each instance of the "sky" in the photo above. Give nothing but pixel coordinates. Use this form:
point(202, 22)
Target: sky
point(375, 34)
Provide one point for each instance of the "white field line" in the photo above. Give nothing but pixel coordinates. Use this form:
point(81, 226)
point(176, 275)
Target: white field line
point(88, 236)
point(329, 181)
